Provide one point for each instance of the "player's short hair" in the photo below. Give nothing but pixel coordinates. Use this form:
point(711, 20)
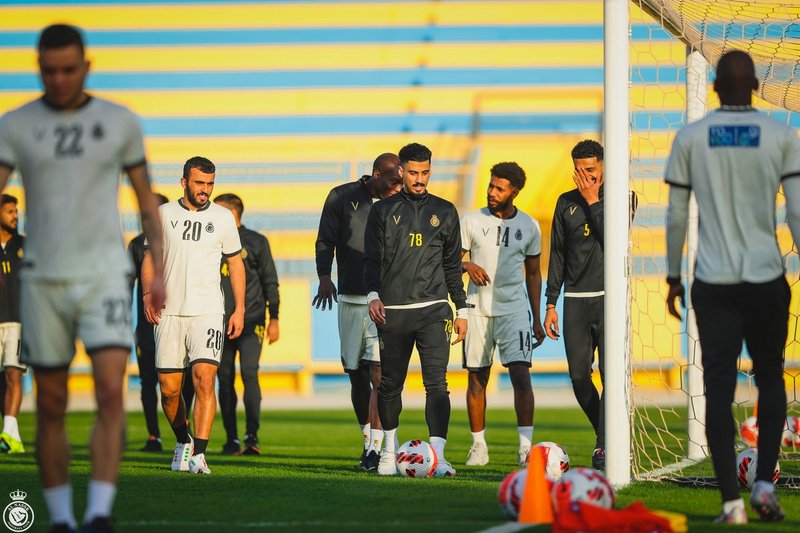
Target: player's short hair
point(232, 200)
point(416, 152)
point(60, 36)
point(587, 149)
point(160, 198)
point(510, 171)
point(7, 199)
point(200, 163)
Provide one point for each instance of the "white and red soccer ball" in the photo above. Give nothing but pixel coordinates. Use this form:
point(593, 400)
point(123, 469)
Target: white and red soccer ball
point(583, 485)
point(789, 438)
point(509, 494)
point(746, 464)
point(416, 458)
point(556, 459)
point(749, 431)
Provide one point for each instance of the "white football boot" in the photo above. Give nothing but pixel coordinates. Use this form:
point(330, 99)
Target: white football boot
point(387, 466)
point(522, 456)
point(180, 459)
point(478, 454)
point(198, 465)
point(444, 468)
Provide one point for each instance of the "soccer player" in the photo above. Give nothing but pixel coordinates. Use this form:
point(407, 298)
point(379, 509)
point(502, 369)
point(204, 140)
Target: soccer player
point(504, 245)
point(12, 244)
point(576, 261)
point(734, 160)
point(70, 148)
point(189, 329)
point(146, 351)
point(341, 232)
point(412, 261)
point(261, 292)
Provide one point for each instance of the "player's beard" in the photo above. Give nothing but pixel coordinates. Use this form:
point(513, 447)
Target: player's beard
point(498, 208)
point(9, 229)
point(195, 202)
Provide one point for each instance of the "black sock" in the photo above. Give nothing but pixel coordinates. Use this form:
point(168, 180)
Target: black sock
point(181, 430)
point(200, 446)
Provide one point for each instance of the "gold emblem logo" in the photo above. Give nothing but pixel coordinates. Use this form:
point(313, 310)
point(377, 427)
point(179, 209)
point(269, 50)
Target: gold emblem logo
point(435, 221)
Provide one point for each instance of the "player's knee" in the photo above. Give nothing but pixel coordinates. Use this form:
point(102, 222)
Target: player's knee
point(520, 377)
point(13, 377)
point(375, 375)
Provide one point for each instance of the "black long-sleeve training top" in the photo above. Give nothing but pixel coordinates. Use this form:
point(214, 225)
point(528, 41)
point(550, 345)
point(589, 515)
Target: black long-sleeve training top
point(413, 251)
point(341, 231)
point(11, 260)
point(576, 245)
point(261, 277)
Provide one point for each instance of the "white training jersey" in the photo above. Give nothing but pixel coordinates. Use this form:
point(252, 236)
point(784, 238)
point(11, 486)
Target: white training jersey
point(194, 244)
point(500, 247)
point(734, 160)
point(70, 163)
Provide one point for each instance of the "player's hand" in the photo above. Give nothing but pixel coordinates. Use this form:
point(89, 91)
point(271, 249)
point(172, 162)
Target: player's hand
point(326, 294)
point(538, 333)
point(273, 331)
point(676, 291)
point(587, 186)
point(476, 273)
point(551, 323)
point(236, 324)
point(377, 313)
point(460, 329)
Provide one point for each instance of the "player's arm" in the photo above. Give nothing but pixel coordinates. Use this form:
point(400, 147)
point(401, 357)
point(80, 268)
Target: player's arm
point(151, 225)
point(555, 271)
point(533, 285)
point(325, 247)
point(5, 173)
point(791, 189)
point(677, 176)
point(269, 284)
point(238, 281)
point(373, 256)
point(151, 312)
point(451, 261)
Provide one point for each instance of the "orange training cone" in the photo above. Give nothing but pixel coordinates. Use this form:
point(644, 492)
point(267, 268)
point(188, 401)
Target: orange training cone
point(536, 507)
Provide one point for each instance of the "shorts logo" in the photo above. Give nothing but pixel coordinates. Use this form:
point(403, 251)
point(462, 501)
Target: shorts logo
point(18, 515)
point(210, 227)
point(380, 343)
point(518, 234)
point(435, 221)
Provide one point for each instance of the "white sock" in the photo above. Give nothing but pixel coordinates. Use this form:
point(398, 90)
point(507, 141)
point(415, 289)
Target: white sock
point(100, 499)
point(479, 437)
point(730, 505)
point(365, 430)
point(390, 438)
point(376, 439)
point(10, 426)
point(437, 443)
point(59, 504)
point(525, 436)
point(764, 486)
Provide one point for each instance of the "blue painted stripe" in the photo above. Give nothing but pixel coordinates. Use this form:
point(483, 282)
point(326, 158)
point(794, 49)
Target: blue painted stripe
point(376, 35)
point(348, 78)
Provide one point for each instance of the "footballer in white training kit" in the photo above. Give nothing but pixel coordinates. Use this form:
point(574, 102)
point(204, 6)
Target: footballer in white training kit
point(189, 329)
point(504, 245)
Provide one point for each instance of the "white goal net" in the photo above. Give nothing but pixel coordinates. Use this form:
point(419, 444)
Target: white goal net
point(667, 417)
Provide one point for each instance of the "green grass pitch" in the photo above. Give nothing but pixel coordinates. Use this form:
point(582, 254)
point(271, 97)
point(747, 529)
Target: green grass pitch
point(307, 479)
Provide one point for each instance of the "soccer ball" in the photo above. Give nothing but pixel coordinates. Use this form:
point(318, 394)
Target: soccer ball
point(749, 431)
point(791, 432)
point(509, 494)
point(416, 458)
point(556, 459)
point(583, 485)
point(746, 464)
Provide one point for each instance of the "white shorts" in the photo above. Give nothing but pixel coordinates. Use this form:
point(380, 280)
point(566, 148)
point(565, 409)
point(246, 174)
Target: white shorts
point(56, 312)
point(182, 341)
point(512, 334)
point(358, 336)
point(9, 345)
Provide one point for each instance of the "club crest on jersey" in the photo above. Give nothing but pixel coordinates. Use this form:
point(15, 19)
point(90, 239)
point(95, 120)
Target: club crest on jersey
point(20, 253)
point(518, 234)
point(244, 252)
point(210, 227)
point(97, 131)
point(435, 221)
